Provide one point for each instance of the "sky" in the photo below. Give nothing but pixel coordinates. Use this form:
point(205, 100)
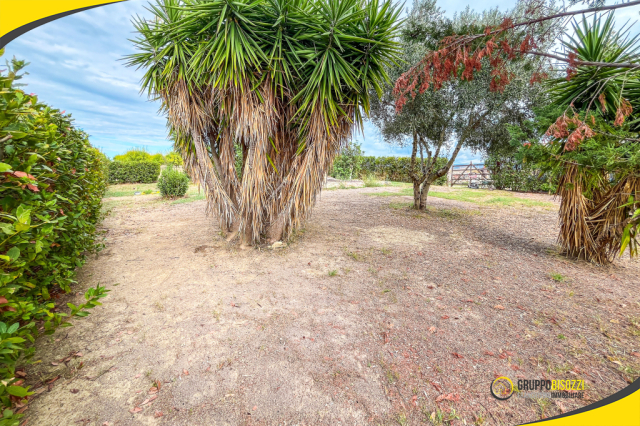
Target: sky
point(76, 65)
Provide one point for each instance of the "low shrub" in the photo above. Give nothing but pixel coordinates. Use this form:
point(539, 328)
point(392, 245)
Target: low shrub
point(348, 165)
point(51, 186)
point(133, 171)
point(507, 173)
point(173, 183)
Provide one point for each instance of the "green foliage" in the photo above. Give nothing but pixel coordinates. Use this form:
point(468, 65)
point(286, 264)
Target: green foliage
point(133, 171)
point(396, 168)
point(348, 164)
point(173, 183)
point(104, 164)
point(631, 232)
point(136, 154)
point(610, 149)
point(509, 173)
point(173, 159)
point(51, 190)
point(158, 158)
point(140, 154)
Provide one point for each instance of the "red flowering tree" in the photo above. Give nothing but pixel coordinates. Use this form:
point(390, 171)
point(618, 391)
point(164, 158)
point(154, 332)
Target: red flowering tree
point(438, 121)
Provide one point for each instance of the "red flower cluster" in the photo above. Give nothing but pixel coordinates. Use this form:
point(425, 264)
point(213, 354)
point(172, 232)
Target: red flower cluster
point(560, 130)
point(624, 110)
point(455, 59)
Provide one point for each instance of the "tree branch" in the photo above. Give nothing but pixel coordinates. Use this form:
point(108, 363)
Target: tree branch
point(585, 63)
point(576, 12)
point(550, 17)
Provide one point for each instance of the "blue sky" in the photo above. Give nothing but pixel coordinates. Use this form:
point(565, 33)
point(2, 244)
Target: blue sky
point(75, 66)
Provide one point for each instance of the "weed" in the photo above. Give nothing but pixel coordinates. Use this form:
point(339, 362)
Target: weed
point(629, 372)
point(371, 181)
point(439, 417)
point(561, 336)
point(385, 251)
point(543, 405)
point(333, 273)
point(355, 256)
point(556, 276)
point(400, 206)
point(635, 326)
point(479, 420)
point(402, 419)
point(392, 376)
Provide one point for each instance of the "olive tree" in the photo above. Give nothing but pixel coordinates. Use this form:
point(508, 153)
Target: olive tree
point(440, 119)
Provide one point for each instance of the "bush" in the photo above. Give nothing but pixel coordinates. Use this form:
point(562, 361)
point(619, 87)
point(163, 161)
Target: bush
point(508, 173)
point(173, 183)
point(348, 164)
point(133, 171)
point(51, 187)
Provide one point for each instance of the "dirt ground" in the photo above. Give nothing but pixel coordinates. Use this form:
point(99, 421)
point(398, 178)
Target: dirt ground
point(373, 314)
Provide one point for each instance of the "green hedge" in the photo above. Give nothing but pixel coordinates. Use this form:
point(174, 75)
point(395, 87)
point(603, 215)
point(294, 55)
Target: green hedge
point(393, 168)
point(51, 187)
point(133, 171)
point(508, 173)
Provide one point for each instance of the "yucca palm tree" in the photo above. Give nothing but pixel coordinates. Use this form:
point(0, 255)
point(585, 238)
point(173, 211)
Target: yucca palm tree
point(285, 81)
point(600, 175)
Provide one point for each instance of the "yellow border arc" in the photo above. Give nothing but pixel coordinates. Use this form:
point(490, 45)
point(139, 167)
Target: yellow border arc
point(620, 409)
point(19, 16)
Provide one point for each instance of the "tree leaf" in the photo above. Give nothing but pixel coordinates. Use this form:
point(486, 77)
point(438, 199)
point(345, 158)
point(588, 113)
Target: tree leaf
point(13, 253)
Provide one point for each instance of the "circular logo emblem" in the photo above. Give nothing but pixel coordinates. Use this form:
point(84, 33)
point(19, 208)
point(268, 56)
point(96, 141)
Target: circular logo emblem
point(502, 388)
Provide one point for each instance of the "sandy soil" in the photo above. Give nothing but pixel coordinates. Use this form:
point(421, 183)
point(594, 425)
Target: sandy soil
point(372, 315)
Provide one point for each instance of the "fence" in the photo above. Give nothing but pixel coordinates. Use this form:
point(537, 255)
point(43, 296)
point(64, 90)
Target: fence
point(466, 174)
